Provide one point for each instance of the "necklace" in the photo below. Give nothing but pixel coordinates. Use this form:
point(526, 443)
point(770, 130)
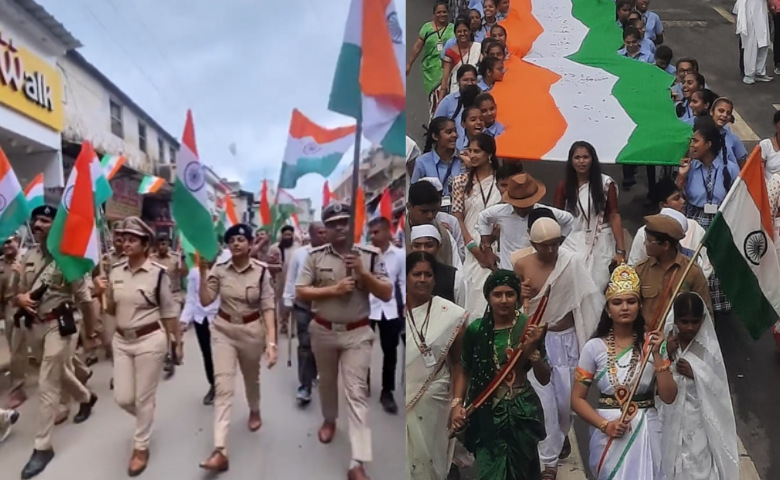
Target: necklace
point(509, 348)
point(419, 333)
point(621, 389)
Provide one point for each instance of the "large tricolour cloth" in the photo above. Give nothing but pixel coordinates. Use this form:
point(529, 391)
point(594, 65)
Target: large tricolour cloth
point(564, 68)
point(34, 192)
point(13, 204)
point(190, 197)
point(740, 244)
point(313, 149)
point(369, 84)
point(73, 239)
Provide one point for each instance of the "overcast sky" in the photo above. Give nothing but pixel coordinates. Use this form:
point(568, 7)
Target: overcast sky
point(240, 65)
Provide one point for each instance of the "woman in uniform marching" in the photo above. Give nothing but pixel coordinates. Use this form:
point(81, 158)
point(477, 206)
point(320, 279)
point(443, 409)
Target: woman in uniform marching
point(243, 286)
point(139, 296)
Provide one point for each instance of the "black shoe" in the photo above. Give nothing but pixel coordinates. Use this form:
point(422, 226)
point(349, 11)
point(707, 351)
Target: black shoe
point(111, 384)
point(303, 395)
point(209, 398)
point(37, 463)
point(169, 369)
point(388, 402)
point(85, 410)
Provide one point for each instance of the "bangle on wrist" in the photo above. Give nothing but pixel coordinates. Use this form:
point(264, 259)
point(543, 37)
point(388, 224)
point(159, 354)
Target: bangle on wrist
point(664, 368)
point(603, 426)
point(456, 402)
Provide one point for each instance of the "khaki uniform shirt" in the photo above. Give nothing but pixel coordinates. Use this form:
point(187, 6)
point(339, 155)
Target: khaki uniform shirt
point(241, 292)
point(59, 291)
point(654, 279)
point(132, 295)
point(172, 263)
point(285, 256)
point(8, 283)
point(324, 267)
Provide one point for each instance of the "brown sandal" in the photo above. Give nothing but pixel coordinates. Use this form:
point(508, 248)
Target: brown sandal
point(550, 473)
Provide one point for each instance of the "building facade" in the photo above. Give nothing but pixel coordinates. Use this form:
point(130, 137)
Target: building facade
point(32, 114)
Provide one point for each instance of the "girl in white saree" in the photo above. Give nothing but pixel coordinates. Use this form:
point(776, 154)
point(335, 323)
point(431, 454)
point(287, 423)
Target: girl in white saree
point(610, 361)
point(436, 327)
point(699, 430)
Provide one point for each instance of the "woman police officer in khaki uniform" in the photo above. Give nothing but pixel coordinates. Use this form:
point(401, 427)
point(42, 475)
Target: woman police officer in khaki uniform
point(139, 296)
point(243, 286)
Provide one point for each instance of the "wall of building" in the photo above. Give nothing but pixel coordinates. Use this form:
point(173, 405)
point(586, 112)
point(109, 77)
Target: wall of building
point(88, 117)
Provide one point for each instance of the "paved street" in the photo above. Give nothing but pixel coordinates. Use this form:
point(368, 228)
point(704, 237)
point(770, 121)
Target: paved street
point(286, 447)
point(704, 30)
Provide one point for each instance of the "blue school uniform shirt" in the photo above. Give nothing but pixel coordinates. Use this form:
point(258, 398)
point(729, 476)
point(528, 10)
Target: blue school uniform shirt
point(477, 5)
point(688, 116)
point(734, 146)
point(447, 106)
point(696, 186)
point(672, 70)
point(496, 129)
point(449, 43)
point(644, 55)
point(484, 86)
point(653, 25)
point(430, 165)
point(647, 45)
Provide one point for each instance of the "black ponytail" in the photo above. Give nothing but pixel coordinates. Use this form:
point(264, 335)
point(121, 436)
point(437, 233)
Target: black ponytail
point(434, 128)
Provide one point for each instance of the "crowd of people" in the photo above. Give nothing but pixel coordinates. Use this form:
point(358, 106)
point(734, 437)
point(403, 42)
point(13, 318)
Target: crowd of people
point(484, 254)
point(137, 304)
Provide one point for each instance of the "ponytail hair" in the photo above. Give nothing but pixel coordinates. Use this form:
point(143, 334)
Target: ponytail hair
point(434, 128)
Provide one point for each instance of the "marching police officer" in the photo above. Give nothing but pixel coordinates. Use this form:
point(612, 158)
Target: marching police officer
point(337, 280)
point(243, 287)
point(139, 296)
point(51, 337)
point(176, 269)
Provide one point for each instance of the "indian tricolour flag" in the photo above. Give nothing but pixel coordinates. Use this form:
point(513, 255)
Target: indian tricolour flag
point(13, 205)
point(111, 164)
point(73, 239)
point(313, 149)
point(740, 246)
point(579, 88)
point(34, 193)
point(150, 184)
point(190, 197)
point(369, 84)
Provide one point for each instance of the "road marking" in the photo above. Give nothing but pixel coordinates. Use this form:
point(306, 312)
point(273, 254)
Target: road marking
point(776, 105)
point(747, 469)
point(741, 128)
point(725, 14)
point(684, 23)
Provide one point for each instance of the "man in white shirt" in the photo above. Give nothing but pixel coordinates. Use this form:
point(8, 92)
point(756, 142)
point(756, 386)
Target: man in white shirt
point(387, 315)
point(523, 194)
point(307, 367)
point(195, 314)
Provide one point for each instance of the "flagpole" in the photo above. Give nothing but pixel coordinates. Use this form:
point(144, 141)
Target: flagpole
point(355, 185)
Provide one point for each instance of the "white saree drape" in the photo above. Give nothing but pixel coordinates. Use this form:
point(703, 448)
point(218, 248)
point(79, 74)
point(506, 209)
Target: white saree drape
point(429, 391)
point(700, 435)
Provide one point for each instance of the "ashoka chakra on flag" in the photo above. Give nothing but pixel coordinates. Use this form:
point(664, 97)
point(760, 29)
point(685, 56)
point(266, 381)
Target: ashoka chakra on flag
point(565, 82)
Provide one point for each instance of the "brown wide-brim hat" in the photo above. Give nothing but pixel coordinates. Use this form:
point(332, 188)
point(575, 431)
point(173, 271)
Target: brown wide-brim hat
point(524, 191)
point(136, 226)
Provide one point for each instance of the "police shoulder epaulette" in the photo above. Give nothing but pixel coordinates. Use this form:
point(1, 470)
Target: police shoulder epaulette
point(120, 263)
point(321, 248)
point(160, 265)
point(368, 249)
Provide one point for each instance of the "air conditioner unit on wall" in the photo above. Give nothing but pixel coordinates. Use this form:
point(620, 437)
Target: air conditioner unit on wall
point(167, 172)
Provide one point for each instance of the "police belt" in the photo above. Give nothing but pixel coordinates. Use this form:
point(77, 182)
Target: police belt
point(307, 309)
point(342, 327)
point(131, 334)
point(249, 318)
point(644, 401)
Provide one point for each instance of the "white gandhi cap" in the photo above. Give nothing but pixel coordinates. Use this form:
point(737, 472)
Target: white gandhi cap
point(681, 219)
point(425, 231)
point(545, 229)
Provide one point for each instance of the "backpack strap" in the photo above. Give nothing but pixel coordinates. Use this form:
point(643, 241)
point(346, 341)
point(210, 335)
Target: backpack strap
point(159, 284)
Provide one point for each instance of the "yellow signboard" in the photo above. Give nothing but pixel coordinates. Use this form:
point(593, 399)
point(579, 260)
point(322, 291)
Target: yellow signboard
point(29, 85)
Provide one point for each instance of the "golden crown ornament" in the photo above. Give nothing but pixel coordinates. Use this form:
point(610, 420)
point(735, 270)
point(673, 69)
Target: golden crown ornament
point(624, 281)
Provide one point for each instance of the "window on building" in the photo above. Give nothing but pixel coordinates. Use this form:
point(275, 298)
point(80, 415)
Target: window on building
point(142, 137)
point(117, 127)
point(172, 155)
point(161, 150)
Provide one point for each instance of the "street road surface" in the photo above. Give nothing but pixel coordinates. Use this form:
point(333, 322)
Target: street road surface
point(704, 30)
point(286, 447)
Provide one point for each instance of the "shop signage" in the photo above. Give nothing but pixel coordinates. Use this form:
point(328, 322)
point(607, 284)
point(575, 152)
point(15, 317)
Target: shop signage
point(126, 202)
point(29, 85)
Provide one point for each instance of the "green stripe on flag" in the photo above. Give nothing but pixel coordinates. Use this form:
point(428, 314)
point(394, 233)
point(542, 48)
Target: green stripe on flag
point(14, 216)
point(346, 96)
point(194, 221)
point(324, 166)
point(737, 279)
point(642, 90)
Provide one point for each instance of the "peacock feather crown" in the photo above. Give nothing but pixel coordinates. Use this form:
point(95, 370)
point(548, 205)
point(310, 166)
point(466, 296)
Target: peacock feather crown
point(624, 281)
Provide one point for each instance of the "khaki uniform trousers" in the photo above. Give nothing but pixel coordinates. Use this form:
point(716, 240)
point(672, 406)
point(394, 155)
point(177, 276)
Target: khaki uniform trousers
point(137, 368)
point(55, 377)
point(230, 344)
point(18, 349)
point(350, 353)
point(78, 367)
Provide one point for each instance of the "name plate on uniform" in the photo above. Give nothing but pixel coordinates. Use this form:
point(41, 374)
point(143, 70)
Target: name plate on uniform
point(338, 327)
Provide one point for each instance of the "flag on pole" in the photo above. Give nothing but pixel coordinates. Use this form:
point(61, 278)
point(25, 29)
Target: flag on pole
point(14, 210)
point(368, 84)
point(73, 239)
point(740, 246)
point(150, 184)
point(266, 217)
point(34, 193)
point(313, 149)
point(327, 195)
point(386, 206)
point(360, 216)
point(111, 165)
point(190, 198)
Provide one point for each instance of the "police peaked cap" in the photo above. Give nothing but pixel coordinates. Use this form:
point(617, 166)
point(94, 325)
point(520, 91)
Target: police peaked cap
point(336, 211)
point(44, 211)
point(238, 229)
point(136, 226)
